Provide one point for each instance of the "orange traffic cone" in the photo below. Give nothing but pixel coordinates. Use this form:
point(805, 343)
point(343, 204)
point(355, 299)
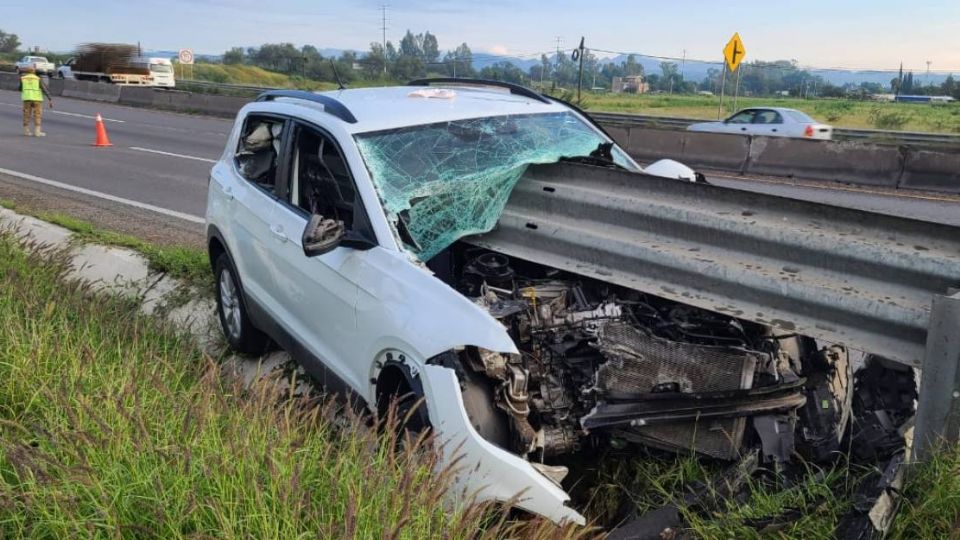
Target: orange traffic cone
point(102, 139)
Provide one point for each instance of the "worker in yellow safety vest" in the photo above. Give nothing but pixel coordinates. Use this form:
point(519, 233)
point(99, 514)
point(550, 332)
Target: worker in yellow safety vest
point(32, 91)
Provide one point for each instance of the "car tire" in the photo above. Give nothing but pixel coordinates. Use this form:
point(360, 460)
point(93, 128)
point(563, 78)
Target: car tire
point(239, 332)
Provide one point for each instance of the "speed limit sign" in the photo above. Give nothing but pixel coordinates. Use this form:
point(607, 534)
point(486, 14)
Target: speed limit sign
point(186, 56)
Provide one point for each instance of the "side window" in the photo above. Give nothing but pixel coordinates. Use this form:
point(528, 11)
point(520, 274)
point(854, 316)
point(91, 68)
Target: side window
point(768, 117)
point(320, 181)
point(259, 149)
point(743, 117)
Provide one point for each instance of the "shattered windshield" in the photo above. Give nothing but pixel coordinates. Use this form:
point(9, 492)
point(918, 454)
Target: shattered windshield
point(440, 182)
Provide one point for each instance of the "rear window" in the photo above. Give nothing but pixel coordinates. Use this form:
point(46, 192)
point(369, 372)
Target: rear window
point(161, 68)
point(798, 116)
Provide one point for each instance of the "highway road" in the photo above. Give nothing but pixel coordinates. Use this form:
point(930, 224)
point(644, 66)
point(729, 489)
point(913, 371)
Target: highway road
point(160, 162)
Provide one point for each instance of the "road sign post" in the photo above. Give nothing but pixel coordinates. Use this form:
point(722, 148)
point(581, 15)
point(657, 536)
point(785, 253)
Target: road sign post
point(185, 56)
point(733, 54)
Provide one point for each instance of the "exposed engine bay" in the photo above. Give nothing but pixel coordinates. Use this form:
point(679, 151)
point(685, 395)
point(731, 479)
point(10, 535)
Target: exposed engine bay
point(605, 366)
point(602, 364)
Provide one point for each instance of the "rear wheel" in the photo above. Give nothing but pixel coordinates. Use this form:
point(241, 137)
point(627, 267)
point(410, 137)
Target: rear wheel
point(237, 328)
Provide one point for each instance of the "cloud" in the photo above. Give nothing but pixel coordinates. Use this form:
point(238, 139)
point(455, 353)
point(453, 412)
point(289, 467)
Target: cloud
point(499, 49)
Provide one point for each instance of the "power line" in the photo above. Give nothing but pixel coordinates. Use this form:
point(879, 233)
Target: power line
point(383, 28)
point(770, 65)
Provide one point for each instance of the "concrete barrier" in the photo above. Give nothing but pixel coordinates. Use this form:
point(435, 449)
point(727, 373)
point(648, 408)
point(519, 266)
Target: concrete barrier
point(136, 96)
point(9, 81)
point(648, 145)
point(931, 170)
point(716, 150)
point(849, 162)
point(55, 86)
point(182, 101)
point(92, 91)
point(708, 150)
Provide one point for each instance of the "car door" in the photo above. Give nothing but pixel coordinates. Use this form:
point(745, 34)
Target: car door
point(317, 296)
point(768, 122)
point(249, 191)
point(740, 123)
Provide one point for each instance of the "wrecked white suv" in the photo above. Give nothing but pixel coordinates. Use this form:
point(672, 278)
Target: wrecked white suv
point(340, 227)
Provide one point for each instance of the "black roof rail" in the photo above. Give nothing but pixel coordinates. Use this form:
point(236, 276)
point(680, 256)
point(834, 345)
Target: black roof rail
point(584, 114)
point(514, 88)
point(330, 105)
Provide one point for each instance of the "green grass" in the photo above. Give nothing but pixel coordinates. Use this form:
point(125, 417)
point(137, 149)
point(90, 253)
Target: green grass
point(810, 507)
point(838, 112)
point(931, 507)
point(248, 75)
point(113, 426)
point(183, 262)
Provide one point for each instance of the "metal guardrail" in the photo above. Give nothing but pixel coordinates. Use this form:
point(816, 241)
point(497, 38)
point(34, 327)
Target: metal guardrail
point(253, 89)
point(873, 135)
point(875, 283)
point(847, 276)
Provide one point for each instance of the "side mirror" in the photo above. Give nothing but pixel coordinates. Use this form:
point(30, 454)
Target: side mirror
point(322, 235)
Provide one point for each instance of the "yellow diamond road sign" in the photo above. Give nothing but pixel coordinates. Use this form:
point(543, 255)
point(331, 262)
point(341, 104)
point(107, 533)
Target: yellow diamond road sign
point(734, 52)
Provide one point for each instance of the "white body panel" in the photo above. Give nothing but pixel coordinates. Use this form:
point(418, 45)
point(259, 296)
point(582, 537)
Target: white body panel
point(486, 470)
point(351, 308)
point(769, 122)
point(38, 63)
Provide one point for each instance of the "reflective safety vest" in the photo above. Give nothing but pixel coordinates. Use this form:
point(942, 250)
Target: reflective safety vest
point(31, 88)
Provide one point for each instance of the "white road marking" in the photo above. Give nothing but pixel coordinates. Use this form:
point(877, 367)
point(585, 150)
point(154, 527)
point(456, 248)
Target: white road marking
point(106, 196)
point(162, 153)
point(65, 113)
point(54, 111)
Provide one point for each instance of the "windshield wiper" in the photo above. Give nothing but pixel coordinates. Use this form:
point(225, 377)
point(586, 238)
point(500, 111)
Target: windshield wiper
point(601, 157)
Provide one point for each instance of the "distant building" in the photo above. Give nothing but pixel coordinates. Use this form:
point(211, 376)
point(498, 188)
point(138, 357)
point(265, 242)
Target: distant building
point(924, 99)
point(633, 84)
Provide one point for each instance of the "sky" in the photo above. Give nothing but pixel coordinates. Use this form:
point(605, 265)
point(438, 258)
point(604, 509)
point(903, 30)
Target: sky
point(856, 34)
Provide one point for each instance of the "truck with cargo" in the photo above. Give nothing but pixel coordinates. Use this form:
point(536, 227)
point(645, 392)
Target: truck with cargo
point(109, 63)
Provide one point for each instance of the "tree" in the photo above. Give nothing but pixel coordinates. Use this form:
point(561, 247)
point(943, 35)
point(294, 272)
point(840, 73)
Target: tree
point(950, 87)
point(375, 61)
point(459, 62)
point(233, 56)
point(631, 67)
point(410, 46)
point(670, 78)
point(9, 42)
point(503, 71)
point(429, 49)
point(907, 86)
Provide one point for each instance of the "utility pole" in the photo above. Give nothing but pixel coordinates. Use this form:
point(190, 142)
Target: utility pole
point(383, 29)
point(928, 72)
point(578, 55)
point(683, 64)
point(556, 68)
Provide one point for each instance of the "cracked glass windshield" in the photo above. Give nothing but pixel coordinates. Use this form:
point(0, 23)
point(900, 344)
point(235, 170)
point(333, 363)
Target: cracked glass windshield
point(441, 182)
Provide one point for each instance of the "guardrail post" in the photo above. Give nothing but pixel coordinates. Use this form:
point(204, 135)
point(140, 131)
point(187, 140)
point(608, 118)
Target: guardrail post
point(938, 411)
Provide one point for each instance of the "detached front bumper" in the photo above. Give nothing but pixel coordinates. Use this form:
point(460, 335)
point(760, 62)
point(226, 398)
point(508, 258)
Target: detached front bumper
point(483, 470)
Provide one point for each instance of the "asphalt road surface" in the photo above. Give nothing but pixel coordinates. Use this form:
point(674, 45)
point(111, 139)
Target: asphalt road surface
point(160, 164)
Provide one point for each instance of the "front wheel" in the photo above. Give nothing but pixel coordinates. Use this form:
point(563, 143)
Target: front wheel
point(237, 328)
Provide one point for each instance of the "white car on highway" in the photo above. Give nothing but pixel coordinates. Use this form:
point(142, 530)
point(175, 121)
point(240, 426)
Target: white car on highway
point(768, 122)
point(40, 64)
point(342, 226)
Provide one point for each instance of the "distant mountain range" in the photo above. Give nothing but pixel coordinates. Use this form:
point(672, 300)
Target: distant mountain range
point(692, 69)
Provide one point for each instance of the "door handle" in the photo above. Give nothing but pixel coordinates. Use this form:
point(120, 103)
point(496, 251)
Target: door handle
point(743, 129)
point(277, 231)
point(774, 130)
point(228, 191)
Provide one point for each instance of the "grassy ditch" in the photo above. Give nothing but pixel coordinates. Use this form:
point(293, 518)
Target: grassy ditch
point(843, 113)
point(183, 262)
point(112, 425)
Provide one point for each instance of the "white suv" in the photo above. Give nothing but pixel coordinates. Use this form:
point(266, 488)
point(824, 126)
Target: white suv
point(340, 227)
